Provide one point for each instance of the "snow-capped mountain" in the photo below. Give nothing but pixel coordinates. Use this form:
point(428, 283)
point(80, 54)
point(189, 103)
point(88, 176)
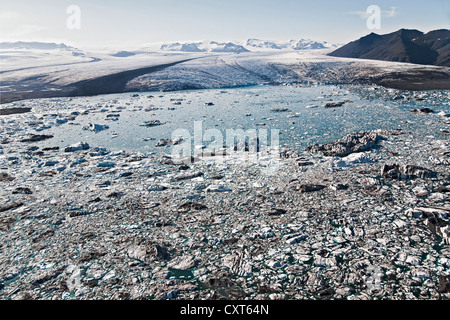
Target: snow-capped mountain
point(35, 46)
point(263, 44)
point(302, 44)
point(309, 45)
point(249, 45)
point(40, 47)
point(246, 46)
point(227, 47)
point(204, 46)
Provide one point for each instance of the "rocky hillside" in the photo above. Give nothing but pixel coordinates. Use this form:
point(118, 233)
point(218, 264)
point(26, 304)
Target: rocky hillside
point(413, 46)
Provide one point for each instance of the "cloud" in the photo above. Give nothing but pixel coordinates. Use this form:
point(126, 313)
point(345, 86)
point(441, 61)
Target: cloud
point(15, 24)
point(9, 16)
point(361, 14)
point(393, 12)
point(24, 30)
point(390, 13)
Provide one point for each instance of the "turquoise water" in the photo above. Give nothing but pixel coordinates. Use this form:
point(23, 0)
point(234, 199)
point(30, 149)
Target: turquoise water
point(307, 121)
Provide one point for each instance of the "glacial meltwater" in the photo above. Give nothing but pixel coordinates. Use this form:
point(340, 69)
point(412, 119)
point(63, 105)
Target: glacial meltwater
point(303, 115)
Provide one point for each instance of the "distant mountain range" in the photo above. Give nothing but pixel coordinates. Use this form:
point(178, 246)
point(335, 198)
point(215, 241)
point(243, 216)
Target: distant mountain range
point(204, 46)
point(302, 44)
point(201, 46)
point(247, 46)
point(34, 45)
point(46, 46)
point(413, 46)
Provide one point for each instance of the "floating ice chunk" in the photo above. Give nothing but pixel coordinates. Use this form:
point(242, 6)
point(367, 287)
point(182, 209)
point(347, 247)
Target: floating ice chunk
point(183, 263)
point(352, 159)
point(166, 142)
point(106, 164)
point(96, 152)
point(36, 138)
point(279, 109)
point(266, 232)
point(414, 213)
point(41, 128)
point(420, 191)
point(96, 127)
point(77, 147)
point(294, 238)
point(61, 121)
point(351, 143)
point(399, 223)
point(334, 104)
point(157, 188)
point(50, 163)
point(443, 114)
point(217, 188)
point(259, 184)
point(274, 264)
point(77, 162)
point(113, 116)
point(413, 260)
point(152, 123)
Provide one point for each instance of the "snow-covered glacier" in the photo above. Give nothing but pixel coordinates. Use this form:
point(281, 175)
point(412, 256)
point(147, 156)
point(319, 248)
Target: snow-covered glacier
point(36, 71)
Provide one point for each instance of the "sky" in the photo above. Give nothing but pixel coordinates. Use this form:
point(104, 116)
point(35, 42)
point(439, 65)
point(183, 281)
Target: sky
point(135, 23)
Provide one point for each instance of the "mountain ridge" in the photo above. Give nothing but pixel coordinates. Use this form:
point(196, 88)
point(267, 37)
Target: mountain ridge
point(404, 45)
point(35, 45)
point(249, 45)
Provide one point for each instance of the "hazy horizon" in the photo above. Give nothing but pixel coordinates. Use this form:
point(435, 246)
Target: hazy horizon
point(117, 24)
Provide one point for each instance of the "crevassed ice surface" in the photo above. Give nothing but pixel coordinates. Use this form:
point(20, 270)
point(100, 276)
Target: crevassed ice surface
point(305, 122)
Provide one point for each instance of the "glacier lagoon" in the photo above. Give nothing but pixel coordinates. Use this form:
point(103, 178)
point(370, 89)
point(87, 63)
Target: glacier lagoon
point(303, 115)
point(119, 216)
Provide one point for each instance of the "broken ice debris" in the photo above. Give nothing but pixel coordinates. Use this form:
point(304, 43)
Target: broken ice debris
point(443, 114)
point(279, 109)
point(106, 164)
point(157, 188)
point(37, 137)
point(77, 147)
point(96, 127)
point(398, 172)
point(306, 188)
point(167, 142)
point(152, 123)
point(423, 110)
point(22, 190)
point(354, 142)
point(182, 263)
point(352, 159)
point(334, 104)
point(146, 251)
point(189, 176)
point(217, 188)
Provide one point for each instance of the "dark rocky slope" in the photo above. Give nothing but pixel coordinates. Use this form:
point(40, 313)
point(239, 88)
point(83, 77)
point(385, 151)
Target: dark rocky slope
point(413, 46)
